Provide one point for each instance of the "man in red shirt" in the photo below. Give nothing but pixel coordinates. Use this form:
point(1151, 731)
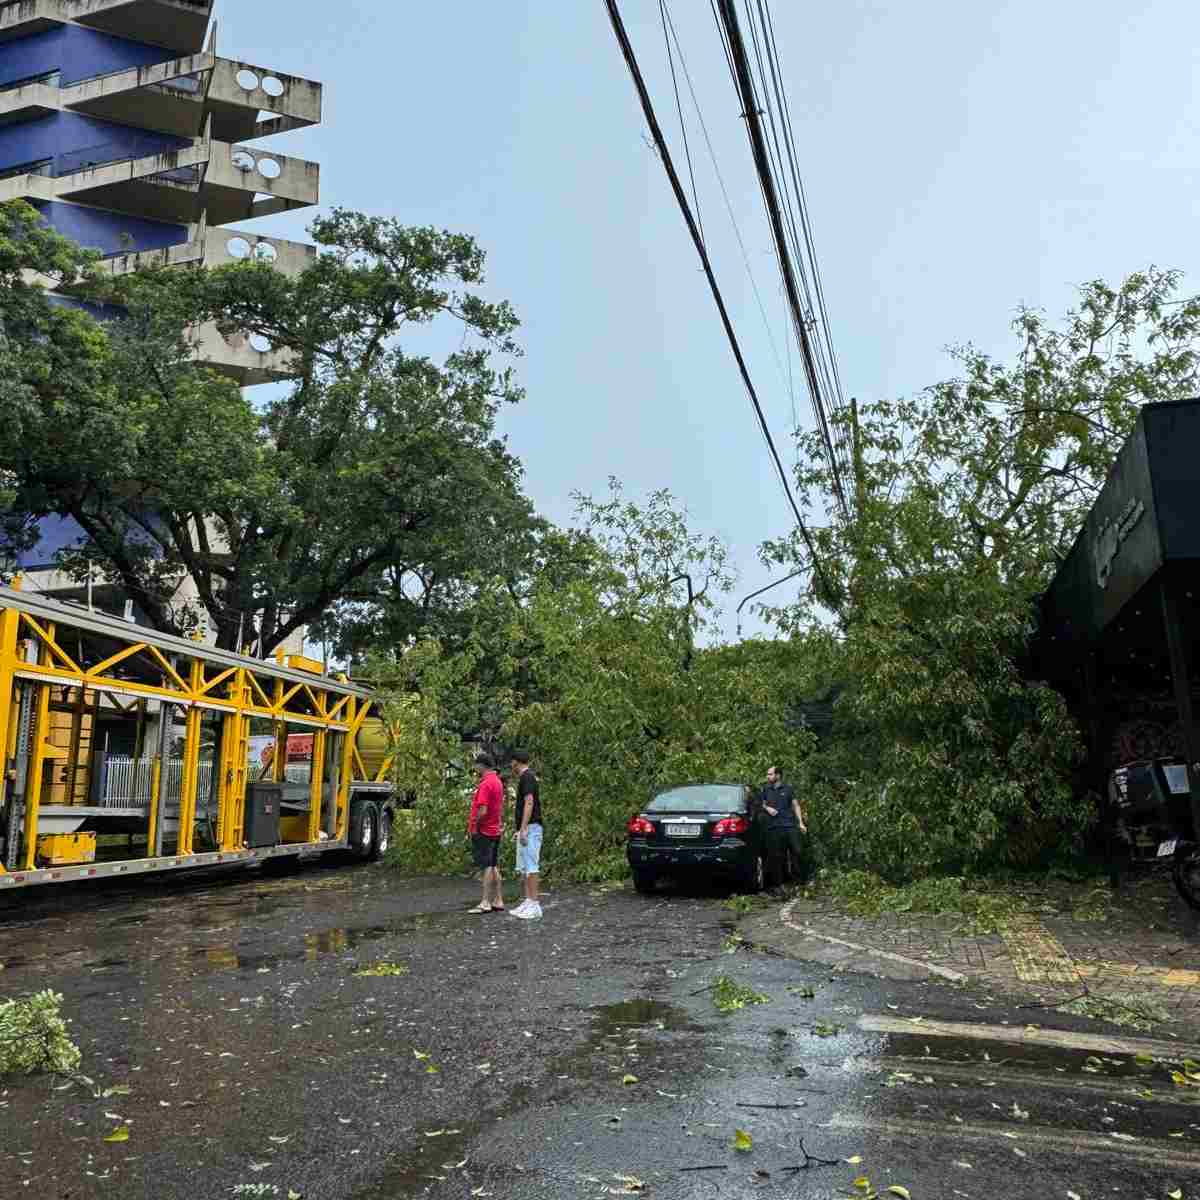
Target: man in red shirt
point(485, 825)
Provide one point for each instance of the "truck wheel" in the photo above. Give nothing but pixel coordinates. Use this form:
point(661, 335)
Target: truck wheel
point(383, 832)
point(364, 821)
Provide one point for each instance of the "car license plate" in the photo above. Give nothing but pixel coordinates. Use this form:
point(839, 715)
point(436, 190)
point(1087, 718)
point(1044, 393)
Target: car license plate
point(674, 830)
point(1166, 849)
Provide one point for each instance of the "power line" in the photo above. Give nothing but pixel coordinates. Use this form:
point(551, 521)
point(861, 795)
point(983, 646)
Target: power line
point(639, 82)
point(782, 220)
point(784, 377)
point(662, 12)
point(836, 393)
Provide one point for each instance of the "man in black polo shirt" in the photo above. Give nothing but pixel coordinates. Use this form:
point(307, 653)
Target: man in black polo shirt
point(785, 826)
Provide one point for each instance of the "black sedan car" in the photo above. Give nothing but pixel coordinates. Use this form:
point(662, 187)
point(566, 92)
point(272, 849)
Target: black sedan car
point(699, 829)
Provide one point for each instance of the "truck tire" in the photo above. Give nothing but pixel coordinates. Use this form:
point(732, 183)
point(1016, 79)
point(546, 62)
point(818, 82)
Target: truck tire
point(364, 822)
point(383, 832)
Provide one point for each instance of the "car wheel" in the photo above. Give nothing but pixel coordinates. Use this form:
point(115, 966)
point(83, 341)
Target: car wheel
point(754, 880)
point(364, 820)
point(383, 833)
point(644, 881)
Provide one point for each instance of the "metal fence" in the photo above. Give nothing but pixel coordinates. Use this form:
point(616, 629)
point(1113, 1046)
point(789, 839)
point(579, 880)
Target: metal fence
point(127, 782)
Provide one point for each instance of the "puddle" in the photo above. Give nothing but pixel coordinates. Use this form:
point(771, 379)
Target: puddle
point(414, 1172)
point(228, 956)
point(914, 1047)
point(640, 1014)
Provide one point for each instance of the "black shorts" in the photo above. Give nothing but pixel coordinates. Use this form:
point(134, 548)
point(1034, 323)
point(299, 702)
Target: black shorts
point(485, 850)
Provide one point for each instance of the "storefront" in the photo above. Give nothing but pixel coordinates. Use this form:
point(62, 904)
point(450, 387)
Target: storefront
point(1121, 620)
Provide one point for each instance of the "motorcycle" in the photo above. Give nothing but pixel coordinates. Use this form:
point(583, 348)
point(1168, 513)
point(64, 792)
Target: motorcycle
point(1151, 809)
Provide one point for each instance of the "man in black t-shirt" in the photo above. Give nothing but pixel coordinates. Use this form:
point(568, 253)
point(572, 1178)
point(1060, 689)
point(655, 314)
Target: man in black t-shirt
point(529, 835)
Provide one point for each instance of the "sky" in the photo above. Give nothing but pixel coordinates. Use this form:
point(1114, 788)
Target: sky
point(958, 159)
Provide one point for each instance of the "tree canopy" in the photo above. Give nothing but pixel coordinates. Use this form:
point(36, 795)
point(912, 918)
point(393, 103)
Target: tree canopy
point(966, 497)
point(379, 463)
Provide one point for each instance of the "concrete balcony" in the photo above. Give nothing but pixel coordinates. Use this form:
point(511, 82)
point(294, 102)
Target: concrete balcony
point(215, 247)
point(244, 101)
point(230, 183)
point(176, 24)
point(245, 358)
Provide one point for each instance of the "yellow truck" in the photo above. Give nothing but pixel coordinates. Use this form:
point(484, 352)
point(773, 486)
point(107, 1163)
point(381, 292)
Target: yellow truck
point(127, 751)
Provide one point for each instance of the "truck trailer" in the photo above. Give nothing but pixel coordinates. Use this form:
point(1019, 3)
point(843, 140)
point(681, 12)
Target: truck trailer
point(128, 751)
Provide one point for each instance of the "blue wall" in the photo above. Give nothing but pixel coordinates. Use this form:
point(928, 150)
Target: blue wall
point(77, 52)
point(72, 141)
point(110, 233)
point(55, 534)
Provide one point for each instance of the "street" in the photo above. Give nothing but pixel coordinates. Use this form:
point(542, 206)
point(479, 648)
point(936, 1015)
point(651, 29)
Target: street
point(228, 1025)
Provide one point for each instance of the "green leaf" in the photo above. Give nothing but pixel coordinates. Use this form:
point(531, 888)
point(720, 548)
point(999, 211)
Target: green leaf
point(120, 1134)
point(742, 1141)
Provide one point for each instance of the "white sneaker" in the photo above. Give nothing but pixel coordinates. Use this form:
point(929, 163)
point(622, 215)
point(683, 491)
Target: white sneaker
point(529, 913)
point(516, 912)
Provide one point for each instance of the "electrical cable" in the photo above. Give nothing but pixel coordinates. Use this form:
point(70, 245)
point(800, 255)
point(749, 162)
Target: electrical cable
point(662, 11)
point(639, 82)
point(762, 161)
point(771, 82)
point(784, 377)
point(837, 396)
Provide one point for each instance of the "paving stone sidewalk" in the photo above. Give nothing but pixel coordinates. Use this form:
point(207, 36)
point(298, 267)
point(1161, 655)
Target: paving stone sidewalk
point(1140, 946)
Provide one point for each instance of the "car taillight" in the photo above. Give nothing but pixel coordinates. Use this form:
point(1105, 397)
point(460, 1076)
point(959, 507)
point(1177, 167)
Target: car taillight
point(728, 826)
point(640, 827)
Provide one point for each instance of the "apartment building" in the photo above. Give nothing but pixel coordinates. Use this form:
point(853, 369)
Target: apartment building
point(123, 125)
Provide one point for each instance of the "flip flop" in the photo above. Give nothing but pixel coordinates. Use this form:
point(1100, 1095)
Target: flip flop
point(499, 908)
point(480, 908)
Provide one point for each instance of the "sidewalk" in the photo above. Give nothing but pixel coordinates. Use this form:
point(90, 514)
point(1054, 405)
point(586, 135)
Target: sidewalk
point(1135, 953)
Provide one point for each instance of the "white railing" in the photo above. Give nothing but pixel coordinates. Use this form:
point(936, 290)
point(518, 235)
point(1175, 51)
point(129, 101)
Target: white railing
point(127, 782)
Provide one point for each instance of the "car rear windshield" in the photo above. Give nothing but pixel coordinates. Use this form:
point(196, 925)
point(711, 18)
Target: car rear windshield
point(700, 797)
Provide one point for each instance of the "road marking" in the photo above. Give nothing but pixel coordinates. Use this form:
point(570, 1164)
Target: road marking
point(1013, 1072)
point(1157, 1154)
point(1096, 1043)
point(785, 915)
point(1037, 955)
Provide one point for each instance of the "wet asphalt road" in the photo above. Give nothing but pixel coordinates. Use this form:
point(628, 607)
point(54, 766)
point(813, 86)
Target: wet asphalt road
point(258, 1063)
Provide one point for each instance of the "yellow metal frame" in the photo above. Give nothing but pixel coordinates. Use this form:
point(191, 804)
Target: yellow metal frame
point(151, 667)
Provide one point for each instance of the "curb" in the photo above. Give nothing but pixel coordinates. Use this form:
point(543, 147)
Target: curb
point(785, 915)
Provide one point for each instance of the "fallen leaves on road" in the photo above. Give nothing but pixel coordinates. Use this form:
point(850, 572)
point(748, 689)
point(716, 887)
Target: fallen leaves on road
point(742, 1141)
point(629, 1080)
point(630, 1186)
point(382, 968)
point(120, 1134)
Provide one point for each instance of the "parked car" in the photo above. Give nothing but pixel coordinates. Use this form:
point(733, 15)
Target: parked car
point(699, 830)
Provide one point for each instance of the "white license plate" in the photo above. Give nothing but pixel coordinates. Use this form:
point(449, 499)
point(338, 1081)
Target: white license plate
point(683, 830)
point(1166, 849)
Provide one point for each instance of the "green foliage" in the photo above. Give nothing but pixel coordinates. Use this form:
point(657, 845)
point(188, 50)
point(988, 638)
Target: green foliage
point(865, 894)
point(33, 1036)
point(728, 995)
point(601, 672)
point(946, 755)
point(382, 969)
